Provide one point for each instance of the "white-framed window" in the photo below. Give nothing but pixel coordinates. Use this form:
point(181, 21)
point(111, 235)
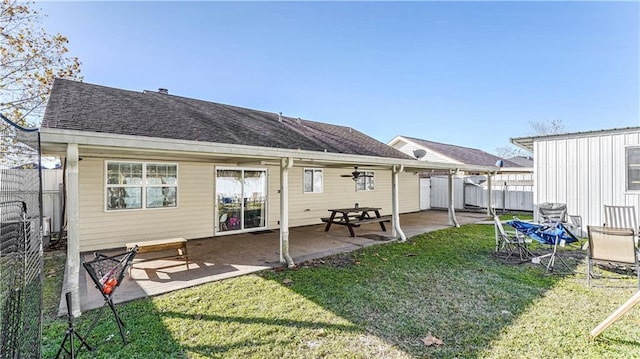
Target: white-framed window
point(366, 181)
point(140, 185)
point(632, 155)
point(313, 178)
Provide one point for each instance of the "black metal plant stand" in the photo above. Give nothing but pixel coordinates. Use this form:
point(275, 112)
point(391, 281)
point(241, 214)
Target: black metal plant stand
point(70, 333)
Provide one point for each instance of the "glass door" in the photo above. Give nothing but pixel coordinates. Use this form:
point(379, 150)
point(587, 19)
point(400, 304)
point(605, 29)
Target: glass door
point(255, 194)
point(241, 199)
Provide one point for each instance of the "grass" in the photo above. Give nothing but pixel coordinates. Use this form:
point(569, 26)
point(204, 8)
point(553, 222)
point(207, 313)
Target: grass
point(378, 302)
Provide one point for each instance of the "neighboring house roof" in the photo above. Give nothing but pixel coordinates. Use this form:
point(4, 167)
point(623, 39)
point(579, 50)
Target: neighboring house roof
point(464, 155)
point(522, 161)
point(526, 142)
point(86, 107)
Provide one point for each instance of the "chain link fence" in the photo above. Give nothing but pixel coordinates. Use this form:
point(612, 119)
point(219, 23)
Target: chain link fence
point(20, 242)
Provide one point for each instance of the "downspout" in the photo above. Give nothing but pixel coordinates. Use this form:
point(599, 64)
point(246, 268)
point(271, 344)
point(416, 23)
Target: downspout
point(285, 166)
point(73, 237)
point(452, 212)
point(396, 231)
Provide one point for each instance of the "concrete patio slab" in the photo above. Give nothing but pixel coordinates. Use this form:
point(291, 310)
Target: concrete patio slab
point(218, 258)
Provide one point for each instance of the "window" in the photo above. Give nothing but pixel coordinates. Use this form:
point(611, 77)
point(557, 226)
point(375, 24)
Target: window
point(633, 168)
point(139, 185)
point(365, 182)
point(312, 180)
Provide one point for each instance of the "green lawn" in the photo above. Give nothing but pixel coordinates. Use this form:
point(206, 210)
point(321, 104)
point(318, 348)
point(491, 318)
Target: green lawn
point(378, 302)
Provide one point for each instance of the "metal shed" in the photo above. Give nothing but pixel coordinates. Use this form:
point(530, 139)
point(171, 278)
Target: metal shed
point(586, 170)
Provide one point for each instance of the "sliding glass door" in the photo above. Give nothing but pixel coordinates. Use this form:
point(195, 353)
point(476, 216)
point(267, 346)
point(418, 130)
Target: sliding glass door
point(241, 199)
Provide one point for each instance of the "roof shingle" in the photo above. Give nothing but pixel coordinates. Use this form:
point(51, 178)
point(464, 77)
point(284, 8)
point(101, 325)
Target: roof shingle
point(466, 155)
point(86, 107)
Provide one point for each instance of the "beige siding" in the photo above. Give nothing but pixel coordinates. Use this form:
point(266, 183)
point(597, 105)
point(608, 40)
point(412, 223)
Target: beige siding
point(409, 188)
point(338, 192)
point(194, 217)
point(99, 229)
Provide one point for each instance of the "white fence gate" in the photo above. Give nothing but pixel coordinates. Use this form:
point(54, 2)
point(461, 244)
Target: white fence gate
point(440, 192)
point(425, 193)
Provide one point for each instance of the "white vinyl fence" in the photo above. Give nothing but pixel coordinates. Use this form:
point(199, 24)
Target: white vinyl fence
point(52, 198)
point(512, 192)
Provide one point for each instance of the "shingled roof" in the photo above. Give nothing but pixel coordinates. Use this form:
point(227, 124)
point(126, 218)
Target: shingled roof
point(465, 155)
point(86, 107)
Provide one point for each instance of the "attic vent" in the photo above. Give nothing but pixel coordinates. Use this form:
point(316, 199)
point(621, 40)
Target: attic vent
point(163, 91)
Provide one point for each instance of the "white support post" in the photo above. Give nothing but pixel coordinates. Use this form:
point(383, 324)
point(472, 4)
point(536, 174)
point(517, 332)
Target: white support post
point(452, 212)
point(396, 231)
point(73, 237)
point(489, 196)
point(285, 165)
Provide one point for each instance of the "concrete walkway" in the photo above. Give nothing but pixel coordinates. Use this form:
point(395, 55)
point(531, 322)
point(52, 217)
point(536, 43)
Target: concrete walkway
point(222, 257)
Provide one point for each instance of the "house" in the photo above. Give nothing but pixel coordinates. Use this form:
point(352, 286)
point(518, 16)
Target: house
point(150, 165)
point(512, 185)
point(586, 170)
point(523, 161)
point(446, 153)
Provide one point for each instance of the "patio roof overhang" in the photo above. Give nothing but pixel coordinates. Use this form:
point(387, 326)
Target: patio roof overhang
point(74, 145)
point(90, 144)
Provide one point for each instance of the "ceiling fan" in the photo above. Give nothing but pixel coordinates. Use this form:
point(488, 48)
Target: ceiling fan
point(356, 174)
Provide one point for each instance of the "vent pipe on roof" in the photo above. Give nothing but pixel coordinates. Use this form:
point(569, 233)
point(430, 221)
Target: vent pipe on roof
point(279, 116)
point(163, 91)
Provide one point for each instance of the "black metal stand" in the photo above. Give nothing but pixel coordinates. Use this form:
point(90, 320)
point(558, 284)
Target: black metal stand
point(70, 333)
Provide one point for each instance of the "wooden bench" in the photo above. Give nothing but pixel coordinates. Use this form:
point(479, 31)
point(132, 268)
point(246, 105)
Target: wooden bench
point(159, 245)
point(380, 219)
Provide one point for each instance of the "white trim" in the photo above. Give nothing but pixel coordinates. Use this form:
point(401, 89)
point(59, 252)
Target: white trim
point(626, 170)
point(143, 186)
point(366, 188)
point(55, 140)
point(216, 211)
point(304, 179)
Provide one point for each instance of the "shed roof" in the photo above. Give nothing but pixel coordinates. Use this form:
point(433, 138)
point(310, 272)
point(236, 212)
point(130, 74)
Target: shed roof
point(87, 107)
point(466, 155)
point(526, 142)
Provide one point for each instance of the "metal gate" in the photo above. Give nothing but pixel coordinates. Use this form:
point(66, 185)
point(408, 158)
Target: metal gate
point(20, 242)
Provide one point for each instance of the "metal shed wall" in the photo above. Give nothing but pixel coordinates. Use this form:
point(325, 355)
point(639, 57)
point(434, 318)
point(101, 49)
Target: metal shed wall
point(585, 171)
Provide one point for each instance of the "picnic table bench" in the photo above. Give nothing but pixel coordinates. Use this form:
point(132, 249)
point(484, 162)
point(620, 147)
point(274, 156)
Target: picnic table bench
point(354, 217)
point(161, 245)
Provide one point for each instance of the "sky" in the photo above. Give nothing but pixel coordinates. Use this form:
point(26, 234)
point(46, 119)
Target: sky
point(472, 74)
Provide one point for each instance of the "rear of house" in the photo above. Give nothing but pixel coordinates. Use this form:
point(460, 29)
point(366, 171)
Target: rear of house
point(206, 199)
point(150, 165)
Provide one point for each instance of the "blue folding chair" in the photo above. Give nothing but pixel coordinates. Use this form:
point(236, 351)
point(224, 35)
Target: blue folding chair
point(552, 234)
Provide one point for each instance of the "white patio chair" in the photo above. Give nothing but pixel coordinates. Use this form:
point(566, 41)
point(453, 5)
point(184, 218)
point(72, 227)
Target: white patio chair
point(622, 217)
point(508, 244)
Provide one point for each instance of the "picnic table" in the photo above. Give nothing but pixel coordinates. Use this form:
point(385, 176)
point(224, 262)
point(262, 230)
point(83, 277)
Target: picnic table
point(354, 217)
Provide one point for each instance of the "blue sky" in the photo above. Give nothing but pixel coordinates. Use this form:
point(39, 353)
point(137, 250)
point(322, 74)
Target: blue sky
point(467, 73)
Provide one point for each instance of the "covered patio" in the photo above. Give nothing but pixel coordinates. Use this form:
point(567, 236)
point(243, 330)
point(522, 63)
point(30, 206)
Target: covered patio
point(217, 258)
